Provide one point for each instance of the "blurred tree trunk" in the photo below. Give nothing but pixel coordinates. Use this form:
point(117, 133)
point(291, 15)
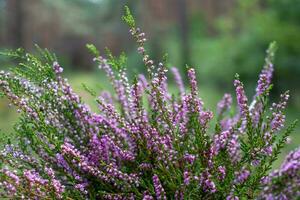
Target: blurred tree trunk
point(154, 15)
point(184, 31)
point(209, 9)
point(213, 9)
point(15, 22)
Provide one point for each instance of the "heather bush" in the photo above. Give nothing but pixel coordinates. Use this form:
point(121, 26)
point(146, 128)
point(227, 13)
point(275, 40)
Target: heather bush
point(143, 143)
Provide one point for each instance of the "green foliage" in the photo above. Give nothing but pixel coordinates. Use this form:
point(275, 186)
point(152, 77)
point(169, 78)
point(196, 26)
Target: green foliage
point(117, 63)
point(93, 50)
point(89, 90)
point(128, 18)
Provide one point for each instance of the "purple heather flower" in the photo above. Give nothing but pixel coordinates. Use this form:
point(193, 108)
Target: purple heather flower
point(278, 121)
point(193, 82)
point(82, 187)
point(57, 68)
point(147, 197)
point(224, 104)
point(242, 176)
point(141, 50)
point(262, 84)
point(159, 190)
point(210, 186)
point(265, 77)
point(241, 98)
point(189, 158)
point(207, 183)
point(228, 123)
point(233, 148)
point(179, 195)
point(205, 117)
point(278, 118)
point(9, 188)
point(107, 97)
point(232, 197)
point(145, 166)
point(268, 150)
point(186, 178)
point(222, 171)
point(58, 188)
point(178, 80)
point(12, 175)
point(34, 178)
point(220, 140)
point(255, 111)
point(291, 165)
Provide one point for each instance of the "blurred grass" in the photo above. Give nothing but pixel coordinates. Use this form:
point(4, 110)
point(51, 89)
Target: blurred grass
point(98, 82)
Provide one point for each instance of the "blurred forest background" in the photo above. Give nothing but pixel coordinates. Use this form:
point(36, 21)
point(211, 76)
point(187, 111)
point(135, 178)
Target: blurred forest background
point(218, 38)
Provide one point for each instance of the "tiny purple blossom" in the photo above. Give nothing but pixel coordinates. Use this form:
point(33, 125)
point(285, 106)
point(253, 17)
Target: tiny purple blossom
point(224, 104)
point(241, 98)
point(159, 190)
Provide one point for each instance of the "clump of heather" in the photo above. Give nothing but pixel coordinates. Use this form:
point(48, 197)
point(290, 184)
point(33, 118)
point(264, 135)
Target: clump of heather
point(143, 142)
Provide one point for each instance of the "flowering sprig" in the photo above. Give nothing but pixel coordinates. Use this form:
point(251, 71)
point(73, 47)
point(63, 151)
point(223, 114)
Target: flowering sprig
point(143, 143)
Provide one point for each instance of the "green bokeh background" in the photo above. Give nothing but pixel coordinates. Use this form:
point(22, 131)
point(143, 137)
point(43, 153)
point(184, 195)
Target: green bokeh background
point(218, 38)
